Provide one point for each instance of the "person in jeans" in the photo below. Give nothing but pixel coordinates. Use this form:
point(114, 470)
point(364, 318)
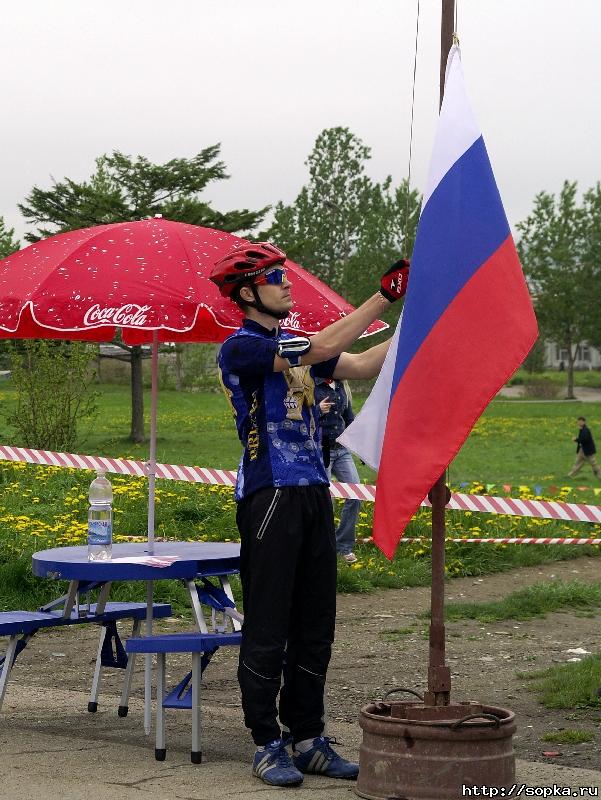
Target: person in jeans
point(585, 449)
point(336, 413)
point(284, 515)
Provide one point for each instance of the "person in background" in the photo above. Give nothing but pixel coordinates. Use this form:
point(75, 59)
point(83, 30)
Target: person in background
point(336, 413)
point(285, 516)
point(585, 450)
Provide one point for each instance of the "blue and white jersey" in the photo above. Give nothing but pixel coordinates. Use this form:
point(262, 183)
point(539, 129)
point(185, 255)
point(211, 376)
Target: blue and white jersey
point(275, 412)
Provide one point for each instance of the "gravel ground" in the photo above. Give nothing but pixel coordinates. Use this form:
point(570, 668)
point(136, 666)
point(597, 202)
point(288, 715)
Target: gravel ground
point(46, 698)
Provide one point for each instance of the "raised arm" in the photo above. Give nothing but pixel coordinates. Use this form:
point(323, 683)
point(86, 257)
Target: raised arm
point(340, 335)
point(362, 365)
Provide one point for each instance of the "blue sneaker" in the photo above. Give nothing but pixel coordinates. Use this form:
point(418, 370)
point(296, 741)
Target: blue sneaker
point(274, 766)
point(322, 759)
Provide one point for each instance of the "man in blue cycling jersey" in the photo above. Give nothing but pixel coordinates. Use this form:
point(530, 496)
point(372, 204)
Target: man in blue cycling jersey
point(284, 515)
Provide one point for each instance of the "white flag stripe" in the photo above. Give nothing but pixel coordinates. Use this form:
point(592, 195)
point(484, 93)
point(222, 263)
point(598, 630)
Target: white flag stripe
point(457, 128)
point(364, 436)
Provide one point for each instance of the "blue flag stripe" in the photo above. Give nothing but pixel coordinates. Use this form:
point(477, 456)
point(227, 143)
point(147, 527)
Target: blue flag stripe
point(461, 226)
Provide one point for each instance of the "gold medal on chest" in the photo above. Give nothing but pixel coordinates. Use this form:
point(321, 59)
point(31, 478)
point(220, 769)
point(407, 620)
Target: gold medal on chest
point(301, 392)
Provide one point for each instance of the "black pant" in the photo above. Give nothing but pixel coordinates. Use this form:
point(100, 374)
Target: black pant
point(288, 572)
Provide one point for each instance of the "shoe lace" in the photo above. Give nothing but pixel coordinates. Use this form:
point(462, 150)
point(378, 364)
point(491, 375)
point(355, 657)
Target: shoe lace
point(281, 757)
point(328, 750)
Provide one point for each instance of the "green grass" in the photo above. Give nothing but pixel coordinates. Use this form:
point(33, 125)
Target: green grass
point(533, 601)
point(569, 736)
point(513, 443)
point(521, 444)
point(396, 634)
point(573, 685)
point(527, 443)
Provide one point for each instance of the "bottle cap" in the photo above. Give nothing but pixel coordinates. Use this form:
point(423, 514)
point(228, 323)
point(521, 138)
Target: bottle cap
point(101, 471)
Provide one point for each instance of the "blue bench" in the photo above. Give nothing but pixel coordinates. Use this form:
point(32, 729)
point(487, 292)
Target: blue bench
point(21, 626)
point(186, 694)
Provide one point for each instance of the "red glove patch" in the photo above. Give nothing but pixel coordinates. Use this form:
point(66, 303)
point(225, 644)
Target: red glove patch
point(393, 283)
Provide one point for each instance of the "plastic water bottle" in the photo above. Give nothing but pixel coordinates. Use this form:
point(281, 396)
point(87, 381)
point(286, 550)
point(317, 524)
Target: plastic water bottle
point(100, 518)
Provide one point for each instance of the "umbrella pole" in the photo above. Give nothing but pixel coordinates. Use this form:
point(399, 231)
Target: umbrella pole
point(148, 663)
point(152, 461)
point(151, 479)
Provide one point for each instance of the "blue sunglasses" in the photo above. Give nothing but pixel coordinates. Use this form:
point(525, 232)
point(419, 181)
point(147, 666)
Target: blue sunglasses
point(275, 277)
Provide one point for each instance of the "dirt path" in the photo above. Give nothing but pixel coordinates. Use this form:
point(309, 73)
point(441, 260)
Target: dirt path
point(367, 661)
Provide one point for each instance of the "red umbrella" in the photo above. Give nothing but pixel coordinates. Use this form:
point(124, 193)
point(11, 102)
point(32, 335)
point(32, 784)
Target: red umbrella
point(141, 277)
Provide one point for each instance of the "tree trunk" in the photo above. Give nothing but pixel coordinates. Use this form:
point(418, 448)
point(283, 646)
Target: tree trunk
point(179, 368)
point(570, 387)
point(137, 395)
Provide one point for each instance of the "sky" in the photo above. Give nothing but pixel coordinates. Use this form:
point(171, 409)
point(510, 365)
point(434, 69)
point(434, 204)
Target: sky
point(264, 77)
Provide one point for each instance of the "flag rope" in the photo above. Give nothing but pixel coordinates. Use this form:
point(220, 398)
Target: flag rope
point(484, 504)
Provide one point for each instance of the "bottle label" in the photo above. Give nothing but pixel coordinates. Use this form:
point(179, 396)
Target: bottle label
point(100, 531)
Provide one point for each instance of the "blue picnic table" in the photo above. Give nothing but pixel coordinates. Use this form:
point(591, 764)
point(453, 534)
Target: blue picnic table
point(195, 563)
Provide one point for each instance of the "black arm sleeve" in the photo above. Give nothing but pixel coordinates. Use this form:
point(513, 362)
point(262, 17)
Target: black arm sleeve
point(248, 355)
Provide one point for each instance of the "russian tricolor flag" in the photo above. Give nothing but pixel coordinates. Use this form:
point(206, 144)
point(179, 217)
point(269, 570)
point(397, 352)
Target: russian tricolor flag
point(467, 324)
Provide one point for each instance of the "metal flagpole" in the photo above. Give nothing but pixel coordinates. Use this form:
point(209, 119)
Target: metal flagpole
point(439, 675)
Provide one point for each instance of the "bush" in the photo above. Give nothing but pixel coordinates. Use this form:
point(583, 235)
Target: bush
point(541, 389)
point(52, 380)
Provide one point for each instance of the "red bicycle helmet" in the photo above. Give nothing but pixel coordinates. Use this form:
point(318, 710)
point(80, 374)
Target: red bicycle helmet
point(244, 264)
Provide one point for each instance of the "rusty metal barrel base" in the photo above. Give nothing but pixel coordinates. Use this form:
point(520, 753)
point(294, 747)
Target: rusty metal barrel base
point(412, 751)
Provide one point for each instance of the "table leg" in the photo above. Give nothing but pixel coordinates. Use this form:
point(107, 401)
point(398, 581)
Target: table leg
point(129, 673)
point(103, 597)
point(70, 599)
point(6, 667)
point(236, 617)
point(148, 662)
point(196, 608)
point(160, 749)
point(93, 701)
point(196, 752)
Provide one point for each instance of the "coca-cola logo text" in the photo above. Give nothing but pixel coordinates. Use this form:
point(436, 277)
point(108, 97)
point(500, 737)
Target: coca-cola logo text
point(292, 321)
point(129, 314)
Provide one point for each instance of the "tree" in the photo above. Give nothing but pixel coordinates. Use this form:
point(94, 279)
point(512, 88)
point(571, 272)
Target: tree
point(321, 228)
point(592, 257)
point(344, 227)
point(8, 244)
point(535, 360)
point(389, 218)
point(124, 189)
point(557, 261)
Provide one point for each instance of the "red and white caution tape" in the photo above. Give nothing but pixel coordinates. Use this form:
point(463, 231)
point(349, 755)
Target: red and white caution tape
point(119, 466)
point(543, 509)
point(515, 540)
